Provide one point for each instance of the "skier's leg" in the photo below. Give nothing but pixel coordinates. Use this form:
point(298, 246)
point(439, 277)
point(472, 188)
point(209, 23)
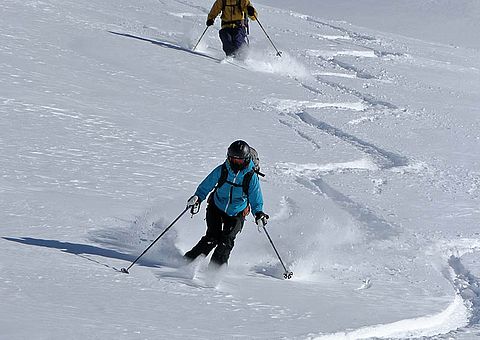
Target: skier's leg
point(227, 41)
point(239, 39)
point(212, 235)
point(204, 246)
point(231, 227)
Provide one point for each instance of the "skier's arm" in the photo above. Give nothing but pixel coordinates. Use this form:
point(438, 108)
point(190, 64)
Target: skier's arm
point(209, 183)
point(215, 11)
point(255, 196)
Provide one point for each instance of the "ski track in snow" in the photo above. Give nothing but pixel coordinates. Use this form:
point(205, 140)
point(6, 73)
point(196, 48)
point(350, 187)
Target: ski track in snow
point(464, 310)
point(462, 313)
point(427, 326)
point(377, 228)
point(385, 159)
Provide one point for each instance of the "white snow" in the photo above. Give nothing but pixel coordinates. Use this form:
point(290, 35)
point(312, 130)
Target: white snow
point(453, 316)
point(367, 129)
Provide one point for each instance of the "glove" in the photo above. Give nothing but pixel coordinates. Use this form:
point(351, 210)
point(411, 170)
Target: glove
point(210, 22)
point(193, 201)
point(250, 11)
point(194, 204)
point(261, 219)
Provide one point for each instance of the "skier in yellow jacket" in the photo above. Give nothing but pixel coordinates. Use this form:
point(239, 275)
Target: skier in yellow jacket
point(234, 14)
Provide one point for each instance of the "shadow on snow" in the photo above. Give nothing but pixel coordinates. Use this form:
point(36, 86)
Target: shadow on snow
point(166, 45)
point(81, 250)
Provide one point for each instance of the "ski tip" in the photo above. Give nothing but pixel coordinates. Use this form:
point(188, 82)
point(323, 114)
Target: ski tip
point(124, 270)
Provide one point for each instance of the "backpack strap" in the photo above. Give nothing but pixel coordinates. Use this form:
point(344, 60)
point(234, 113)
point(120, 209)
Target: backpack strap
point(246, 184)
point(224, 175)
point(246, 181)
point(223, 179)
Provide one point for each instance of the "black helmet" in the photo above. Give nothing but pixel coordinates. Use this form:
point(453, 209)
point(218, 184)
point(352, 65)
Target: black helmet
point(238, 155)
point(239, 149)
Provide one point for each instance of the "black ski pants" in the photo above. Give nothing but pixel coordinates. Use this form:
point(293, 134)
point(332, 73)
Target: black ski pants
point(221, 232)
point(233, 38)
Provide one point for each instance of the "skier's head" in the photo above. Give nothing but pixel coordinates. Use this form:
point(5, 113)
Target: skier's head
point(238, 155)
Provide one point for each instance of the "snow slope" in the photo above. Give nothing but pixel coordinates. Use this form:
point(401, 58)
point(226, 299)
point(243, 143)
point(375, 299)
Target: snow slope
point(368, 138)
point(449, 22)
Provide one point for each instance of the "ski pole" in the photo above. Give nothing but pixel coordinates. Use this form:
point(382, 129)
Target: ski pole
point(287, 274)
point(198, 42)
point(261, 26)
point(125, 270)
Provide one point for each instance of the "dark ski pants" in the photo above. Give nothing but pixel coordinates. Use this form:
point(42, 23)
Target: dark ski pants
point(232, 39)
point(221, 232)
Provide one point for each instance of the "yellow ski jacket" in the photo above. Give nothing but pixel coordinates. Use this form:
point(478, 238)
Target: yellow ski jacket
point(233, 12)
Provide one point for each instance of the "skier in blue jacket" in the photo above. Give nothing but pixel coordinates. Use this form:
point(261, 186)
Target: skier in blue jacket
point(236, 192)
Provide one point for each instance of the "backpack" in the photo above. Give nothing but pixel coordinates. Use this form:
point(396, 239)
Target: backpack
point(256, 161)
point(245, 18)
point(238, 4)
point(248, 176)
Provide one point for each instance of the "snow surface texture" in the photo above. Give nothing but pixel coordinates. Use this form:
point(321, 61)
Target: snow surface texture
point(367, 128)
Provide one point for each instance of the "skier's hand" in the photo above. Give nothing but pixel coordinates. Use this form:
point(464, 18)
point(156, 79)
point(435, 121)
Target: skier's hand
point(250, 11)
point(261, 219)
point(194, 200)
point(194, 204)
point(210, 22)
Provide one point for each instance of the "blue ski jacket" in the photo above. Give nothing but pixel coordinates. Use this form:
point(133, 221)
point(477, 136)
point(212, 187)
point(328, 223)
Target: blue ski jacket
point(229, 198)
